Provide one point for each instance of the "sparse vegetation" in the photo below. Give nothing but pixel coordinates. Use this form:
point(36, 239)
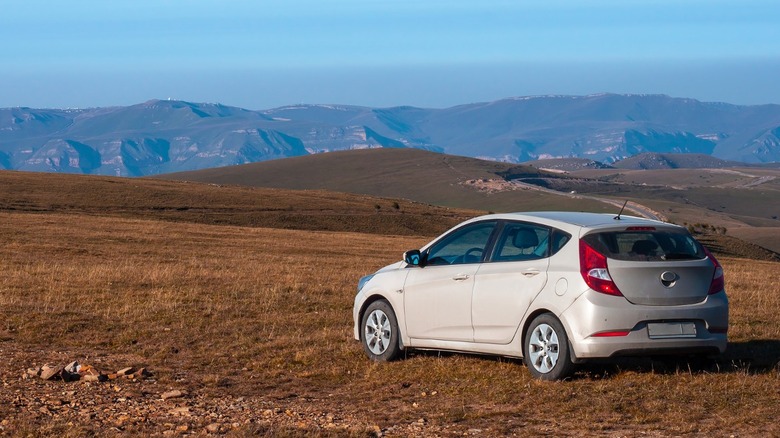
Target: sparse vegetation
point(250, 320)
point(703, 228)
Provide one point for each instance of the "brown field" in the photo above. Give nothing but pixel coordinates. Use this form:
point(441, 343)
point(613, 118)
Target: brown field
point(254, 324)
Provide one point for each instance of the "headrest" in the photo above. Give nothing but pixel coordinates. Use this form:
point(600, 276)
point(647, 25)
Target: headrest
point(644, 247)
point(525, 238)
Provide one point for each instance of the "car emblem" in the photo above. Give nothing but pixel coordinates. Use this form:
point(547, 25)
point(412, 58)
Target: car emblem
point(668, 279)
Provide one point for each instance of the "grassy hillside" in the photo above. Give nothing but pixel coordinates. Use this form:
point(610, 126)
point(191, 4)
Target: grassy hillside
point(221, 205)
point(398, 173)
point(742, 198)
point(253, 327)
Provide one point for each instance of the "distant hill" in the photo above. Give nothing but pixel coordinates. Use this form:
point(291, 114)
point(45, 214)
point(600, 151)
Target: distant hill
point(162, 136)
point(418, 175)
point(673, 161)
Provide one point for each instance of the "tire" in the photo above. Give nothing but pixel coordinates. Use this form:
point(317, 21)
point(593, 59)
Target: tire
point(546, 349)
point(379, 332)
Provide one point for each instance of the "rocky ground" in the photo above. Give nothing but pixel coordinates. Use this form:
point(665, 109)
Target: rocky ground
point(144, 405)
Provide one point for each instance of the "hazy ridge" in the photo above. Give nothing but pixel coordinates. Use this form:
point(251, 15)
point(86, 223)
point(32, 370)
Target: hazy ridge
point(162, 136)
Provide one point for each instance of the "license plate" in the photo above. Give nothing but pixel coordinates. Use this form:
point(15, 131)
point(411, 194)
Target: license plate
point(666, 330)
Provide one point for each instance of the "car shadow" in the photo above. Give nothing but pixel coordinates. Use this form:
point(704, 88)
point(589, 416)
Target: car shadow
point(761, 356)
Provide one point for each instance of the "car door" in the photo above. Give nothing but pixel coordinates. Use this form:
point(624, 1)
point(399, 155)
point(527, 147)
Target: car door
point(505, 286)
point(437, 296)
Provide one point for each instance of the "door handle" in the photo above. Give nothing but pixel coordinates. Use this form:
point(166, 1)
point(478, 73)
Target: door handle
point(531, 272)
point(461, 277)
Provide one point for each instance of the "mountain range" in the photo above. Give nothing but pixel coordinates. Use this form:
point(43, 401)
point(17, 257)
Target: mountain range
point(162, 136)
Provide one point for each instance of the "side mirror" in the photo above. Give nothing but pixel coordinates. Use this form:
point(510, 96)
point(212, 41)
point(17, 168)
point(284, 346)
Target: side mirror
point(413, 257)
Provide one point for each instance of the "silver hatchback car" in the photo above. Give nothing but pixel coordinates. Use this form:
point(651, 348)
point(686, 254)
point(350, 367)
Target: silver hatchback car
point(553, 288)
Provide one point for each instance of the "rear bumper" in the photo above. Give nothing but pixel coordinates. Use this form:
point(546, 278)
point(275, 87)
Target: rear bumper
point(594, 313)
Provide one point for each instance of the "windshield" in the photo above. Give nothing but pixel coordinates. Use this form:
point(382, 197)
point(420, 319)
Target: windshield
point(650, 245)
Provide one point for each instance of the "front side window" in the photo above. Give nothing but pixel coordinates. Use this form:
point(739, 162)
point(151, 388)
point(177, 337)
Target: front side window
point(521, 241)
point(464, 245)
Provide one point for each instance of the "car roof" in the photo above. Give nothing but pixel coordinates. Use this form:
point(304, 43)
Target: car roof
point(582, 219)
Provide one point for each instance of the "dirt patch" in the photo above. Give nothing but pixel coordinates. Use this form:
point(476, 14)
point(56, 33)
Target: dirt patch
point(490, 186)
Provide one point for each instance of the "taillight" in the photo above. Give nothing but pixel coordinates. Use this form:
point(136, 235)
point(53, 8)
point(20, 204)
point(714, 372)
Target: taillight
point(593, 267)
point(718, 281)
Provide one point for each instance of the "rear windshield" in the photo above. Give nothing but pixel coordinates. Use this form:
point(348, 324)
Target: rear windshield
point(655, 245)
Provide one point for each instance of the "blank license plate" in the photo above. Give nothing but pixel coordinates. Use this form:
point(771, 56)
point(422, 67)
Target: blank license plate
point(665, 330)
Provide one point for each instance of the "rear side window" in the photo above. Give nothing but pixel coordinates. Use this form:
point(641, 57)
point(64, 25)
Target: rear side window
point(651, 245)
point(521, 241)
point(559, 239)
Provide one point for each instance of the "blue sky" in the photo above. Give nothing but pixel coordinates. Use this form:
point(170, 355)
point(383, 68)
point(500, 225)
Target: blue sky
point(431, 53)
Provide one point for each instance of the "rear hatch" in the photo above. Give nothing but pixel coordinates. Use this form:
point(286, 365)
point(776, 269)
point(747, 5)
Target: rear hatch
point(655, 266)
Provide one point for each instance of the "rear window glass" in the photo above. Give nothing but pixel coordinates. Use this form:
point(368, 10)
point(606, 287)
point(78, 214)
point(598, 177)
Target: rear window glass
point(656, 245)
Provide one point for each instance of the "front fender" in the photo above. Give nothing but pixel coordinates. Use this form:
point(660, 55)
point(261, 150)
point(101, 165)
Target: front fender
point(388, 286)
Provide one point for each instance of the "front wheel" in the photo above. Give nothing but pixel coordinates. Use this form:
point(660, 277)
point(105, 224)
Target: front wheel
point(379, 333)
point(546, 349)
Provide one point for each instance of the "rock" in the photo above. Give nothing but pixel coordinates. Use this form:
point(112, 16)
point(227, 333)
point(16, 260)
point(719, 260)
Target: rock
point(73, 367)
point(94, 378)
point(172, 394)
point(91, 374)
point(141, 373)
point(67, 376)
point(213, 428)
point(49, 372)
point(183, 411)
point(85, 370)
point(126, 371)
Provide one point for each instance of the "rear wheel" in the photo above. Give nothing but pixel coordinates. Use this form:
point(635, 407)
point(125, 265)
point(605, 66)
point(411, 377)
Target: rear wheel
point(379, 332)
point(546, 349)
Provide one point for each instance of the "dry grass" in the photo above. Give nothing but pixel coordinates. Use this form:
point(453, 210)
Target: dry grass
point(414, 174)
point(216, 204)
point(261, 313)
